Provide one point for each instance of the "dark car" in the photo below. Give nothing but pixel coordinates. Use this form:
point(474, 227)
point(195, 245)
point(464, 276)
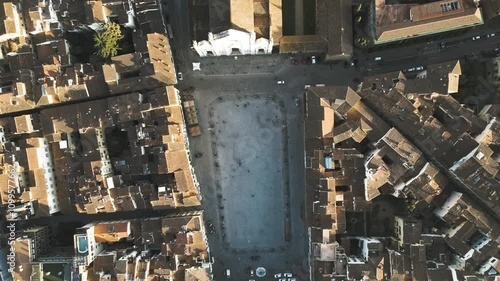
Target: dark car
point(255, 258)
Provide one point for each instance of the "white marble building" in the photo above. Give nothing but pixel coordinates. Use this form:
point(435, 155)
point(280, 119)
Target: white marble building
point(253, 27)
point(233, 42)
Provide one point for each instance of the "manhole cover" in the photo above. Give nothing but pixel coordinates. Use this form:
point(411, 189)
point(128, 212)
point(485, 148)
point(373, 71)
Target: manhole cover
point(260, 272)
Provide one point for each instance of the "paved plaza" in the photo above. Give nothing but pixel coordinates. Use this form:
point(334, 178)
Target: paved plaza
point(249, 146)
point(251, 174)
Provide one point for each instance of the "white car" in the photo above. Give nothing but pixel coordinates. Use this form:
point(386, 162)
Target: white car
point(282, 279)
point(287, 274)
point(476, 37)
point(277, 275)
point(281, 82)
point(180, 76)
point(313, 60)
point(411, 69)
point(307, 86)
point(419, 68)
point(491, 35)
point(292, 279)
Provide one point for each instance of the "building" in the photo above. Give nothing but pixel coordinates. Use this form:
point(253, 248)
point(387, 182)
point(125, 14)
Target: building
point(172, 248)
point(334, 34)
point(103, 11)
point(408, 231)
point(334, 24)
point(100, 147)
point(457, 140)
point(141, 71)
point(37, 69)
point(491, 8)
point(393, 159)
point(253, 27)
point(400, 21)
point(352, 156)
point(66, 159)
point(13, 21)
point(29, 245)
point(28, 178)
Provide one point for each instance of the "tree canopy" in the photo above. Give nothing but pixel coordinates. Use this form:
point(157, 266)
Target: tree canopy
point(106, 41)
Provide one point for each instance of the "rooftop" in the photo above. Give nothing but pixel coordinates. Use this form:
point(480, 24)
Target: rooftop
point(399, 21)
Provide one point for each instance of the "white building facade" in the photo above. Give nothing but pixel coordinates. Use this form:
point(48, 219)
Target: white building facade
point(233, 42)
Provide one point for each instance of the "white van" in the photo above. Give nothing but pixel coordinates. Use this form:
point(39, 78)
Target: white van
point(228, 273)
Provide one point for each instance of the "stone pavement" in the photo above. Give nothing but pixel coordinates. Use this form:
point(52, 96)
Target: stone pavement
point(241, 65)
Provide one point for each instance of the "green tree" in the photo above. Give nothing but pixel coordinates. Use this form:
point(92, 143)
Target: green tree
point(106, 41)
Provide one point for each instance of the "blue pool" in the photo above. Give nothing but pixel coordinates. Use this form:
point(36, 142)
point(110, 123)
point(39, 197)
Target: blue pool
point(82, 244)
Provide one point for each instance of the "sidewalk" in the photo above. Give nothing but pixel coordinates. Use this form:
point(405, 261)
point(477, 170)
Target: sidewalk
point(231, 65)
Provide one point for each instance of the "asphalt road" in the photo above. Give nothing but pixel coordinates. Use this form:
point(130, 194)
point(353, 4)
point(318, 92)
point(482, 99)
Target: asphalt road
point(427, 53)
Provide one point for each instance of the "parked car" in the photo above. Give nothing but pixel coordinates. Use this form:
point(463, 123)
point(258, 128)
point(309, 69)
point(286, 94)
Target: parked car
point(287, 274)
point(378, 58)
point(297, 102)
point(181, 77)
point(281, 82)
point(419, 68)
point(295, 62)
point(491, 35)
point(277, 275)
point(476, 38)
point(255, 258)
point(228, 273)
point(313, 59)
